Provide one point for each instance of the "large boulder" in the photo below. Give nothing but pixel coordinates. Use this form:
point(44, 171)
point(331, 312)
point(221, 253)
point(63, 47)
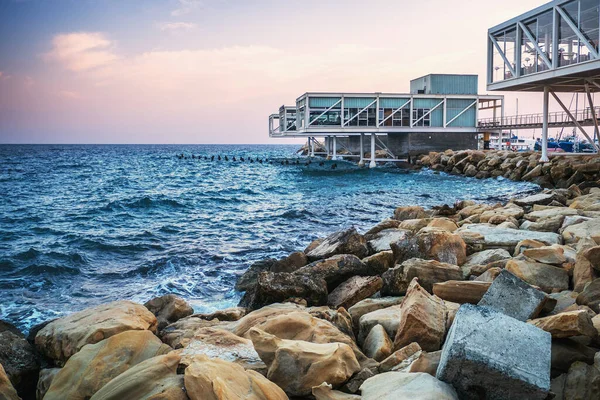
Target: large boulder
point(378, 344)
point(554, 255)
point(222, 344)
point(429, 272)
point(410, 212)
point(487, 256)
point(401, 359)
point(303, 326)
point(248, 279)
point(582, 382)
point(401, 385)
point(381, 241)
point(547, 277)
point(348, 241)
point(496, 237)
point(502, 214)
point(514, 297)
point(586, 229)
point(154, 378)
point(567, 324)
point(388, 317)
point(493, 356)
point(583, 270)
point(540, 198)
point(7, 391)
point(62, 338)
point(369, 305)
point(354, 290)
point(590, 296)
point(380, 262)
point(168, 309)
point(20, 362)
point(274, 287)
point(95, 365)
point(336, 269)
point(215, 379)
point(45, 380)
point(422, 319)
point(297, 366)
point(461, 291)
point(441, 245)
point(179, 334)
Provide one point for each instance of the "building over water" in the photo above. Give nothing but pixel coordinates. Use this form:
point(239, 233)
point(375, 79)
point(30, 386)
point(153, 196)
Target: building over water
point(551, 49)
point(440, 112)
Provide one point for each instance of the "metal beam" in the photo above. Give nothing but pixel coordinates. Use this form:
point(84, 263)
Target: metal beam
point(576, 31)
point(325, 112)
point(506, 62)
point(593, 110)
point(535, 45)
point(461, 113)
point(427, 113)
point(360, 112)
point(577, 124)
point(394, 113)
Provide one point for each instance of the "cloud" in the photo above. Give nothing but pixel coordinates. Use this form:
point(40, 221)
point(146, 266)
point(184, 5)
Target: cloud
point(67, 94)
point(81, 51)
point(186, 7)
point(28, 81)
point(177, 26)
point(0, 74)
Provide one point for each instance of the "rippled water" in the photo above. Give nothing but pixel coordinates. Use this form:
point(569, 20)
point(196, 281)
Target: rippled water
point(82, 225)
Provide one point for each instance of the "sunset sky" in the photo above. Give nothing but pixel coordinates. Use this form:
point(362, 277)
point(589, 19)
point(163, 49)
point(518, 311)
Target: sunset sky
point(211, 71)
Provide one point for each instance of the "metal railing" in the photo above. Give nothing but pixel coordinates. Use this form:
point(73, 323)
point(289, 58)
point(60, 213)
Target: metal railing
point(561, 118)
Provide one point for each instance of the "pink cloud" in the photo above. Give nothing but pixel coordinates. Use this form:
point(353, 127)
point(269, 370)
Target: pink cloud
point(177, 26)
point(81, 51)
point(67, 94)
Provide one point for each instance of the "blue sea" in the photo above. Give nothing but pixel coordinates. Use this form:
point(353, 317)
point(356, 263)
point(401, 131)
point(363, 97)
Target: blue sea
point(83, 225)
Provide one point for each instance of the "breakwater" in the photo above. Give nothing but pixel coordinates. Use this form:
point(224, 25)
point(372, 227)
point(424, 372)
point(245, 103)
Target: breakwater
point(561, 172)
point(455, 301)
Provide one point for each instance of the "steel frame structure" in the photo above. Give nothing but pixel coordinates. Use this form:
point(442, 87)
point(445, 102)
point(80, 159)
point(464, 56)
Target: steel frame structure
point(580, 21)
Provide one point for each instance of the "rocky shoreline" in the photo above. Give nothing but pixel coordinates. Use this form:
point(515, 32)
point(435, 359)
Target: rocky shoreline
point(561, 172)
point(463, 301)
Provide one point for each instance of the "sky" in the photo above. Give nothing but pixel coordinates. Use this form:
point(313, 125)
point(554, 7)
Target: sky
point(211, 71)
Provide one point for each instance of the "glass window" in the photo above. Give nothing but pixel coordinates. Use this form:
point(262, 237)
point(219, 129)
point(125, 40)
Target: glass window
point(421, 117)
point(367, 117)
point(590, 22)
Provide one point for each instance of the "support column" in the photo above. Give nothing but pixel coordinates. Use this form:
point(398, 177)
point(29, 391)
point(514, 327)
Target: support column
point(334, 148)
point(361, 163)
point(311, 147)
point(328, 145)
point(372, 164)
point(545, 126)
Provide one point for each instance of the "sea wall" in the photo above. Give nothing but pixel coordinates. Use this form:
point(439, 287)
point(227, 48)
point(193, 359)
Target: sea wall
point(561, 172)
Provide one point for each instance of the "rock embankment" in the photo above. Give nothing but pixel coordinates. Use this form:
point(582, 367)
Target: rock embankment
point(561, 172)
point(463, 301)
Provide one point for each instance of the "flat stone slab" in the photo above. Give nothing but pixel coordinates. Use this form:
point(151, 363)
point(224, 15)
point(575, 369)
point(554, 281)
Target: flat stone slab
point(496, 237)
point(514, 297)
point(489, 355)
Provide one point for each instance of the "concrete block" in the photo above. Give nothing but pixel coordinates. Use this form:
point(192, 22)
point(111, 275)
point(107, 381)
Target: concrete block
point(489, 355)
point(514, 297)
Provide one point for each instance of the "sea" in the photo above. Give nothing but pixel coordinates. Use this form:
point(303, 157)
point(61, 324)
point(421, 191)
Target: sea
point(82, 225)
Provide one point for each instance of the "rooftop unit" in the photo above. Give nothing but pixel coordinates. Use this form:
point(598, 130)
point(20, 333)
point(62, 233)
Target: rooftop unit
point(444, 84)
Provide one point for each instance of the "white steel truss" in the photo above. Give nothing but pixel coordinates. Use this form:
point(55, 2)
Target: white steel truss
point(408, 103)
point(519, 30)
point(358, 113)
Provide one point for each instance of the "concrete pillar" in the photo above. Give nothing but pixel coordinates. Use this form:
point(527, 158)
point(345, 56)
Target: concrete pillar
point(334, 148)
point(328, 145)
point(361, 163)
point(311, 146)
point(372, 164)
point(545, 126)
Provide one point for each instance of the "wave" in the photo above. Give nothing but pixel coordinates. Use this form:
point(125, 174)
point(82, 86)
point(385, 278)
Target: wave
point(46, 269)
point(143, 203)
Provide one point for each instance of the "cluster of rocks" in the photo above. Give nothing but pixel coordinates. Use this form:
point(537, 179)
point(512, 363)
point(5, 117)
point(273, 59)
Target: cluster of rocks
point(469, 301)
point(560, 172)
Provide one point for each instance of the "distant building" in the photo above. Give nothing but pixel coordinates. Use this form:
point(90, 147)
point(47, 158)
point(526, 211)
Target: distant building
point(440, 112)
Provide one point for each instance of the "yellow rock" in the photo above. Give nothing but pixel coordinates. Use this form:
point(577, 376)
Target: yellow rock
point(297, 366)
point(214, 379)
point(422, 319)
point(7, 391)
point(62, 338)
point(97, 364)
point(567, 324)
point(155, 378)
